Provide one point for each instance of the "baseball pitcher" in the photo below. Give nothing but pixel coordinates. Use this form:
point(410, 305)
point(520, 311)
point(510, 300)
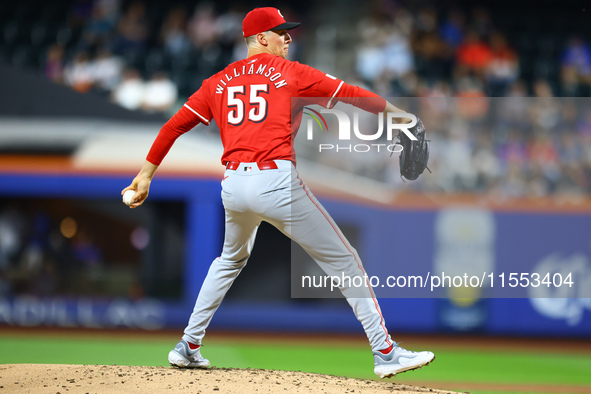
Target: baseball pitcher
point(251, 102)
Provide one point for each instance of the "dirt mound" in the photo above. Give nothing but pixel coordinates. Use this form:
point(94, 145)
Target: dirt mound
point(51, 378)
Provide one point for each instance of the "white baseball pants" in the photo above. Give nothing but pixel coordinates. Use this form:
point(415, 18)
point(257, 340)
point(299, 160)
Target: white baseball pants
point(280, 197)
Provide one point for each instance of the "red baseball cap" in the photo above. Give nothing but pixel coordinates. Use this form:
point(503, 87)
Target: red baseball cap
point(263, 19)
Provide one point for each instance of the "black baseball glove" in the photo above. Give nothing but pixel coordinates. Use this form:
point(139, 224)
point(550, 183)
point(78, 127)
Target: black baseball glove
point(415, 154)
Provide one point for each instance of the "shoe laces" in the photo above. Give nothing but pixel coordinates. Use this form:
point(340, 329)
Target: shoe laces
point(406, 350)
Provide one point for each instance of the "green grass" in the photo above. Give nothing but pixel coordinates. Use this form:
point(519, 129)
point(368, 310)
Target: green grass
point(17, 350)
point(468, 366)
point(352, 361)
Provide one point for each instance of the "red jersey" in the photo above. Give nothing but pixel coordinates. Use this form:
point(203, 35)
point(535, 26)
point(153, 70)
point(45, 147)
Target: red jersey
point(251, 102)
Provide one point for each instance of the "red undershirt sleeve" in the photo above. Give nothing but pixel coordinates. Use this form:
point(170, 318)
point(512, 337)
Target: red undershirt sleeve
point(361, 98)
point(181, 122)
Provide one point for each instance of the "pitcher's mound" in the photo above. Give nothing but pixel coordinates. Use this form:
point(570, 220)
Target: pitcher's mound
point(53, 378)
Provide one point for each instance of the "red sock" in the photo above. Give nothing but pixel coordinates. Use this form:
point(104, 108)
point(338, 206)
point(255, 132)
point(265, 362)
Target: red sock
point(384, 351)
point(192, 346)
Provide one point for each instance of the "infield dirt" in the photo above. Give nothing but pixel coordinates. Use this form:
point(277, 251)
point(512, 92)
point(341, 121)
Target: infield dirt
point(53, 378)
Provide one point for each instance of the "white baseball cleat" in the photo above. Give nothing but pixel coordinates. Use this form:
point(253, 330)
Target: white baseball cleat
point(399, 360)
point(183, 357)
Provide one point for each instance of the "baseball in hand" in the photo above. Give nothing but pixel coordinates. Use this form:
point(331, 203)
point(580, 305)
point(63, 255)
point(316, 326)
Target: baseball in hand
point(127, 196)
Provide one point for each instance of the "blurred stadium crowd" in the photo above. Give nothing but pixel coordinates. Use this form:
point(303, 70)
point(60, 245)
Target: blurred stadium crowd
point(151, 56)
point(470, 52)
point(139, 54)
point(515, 122)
